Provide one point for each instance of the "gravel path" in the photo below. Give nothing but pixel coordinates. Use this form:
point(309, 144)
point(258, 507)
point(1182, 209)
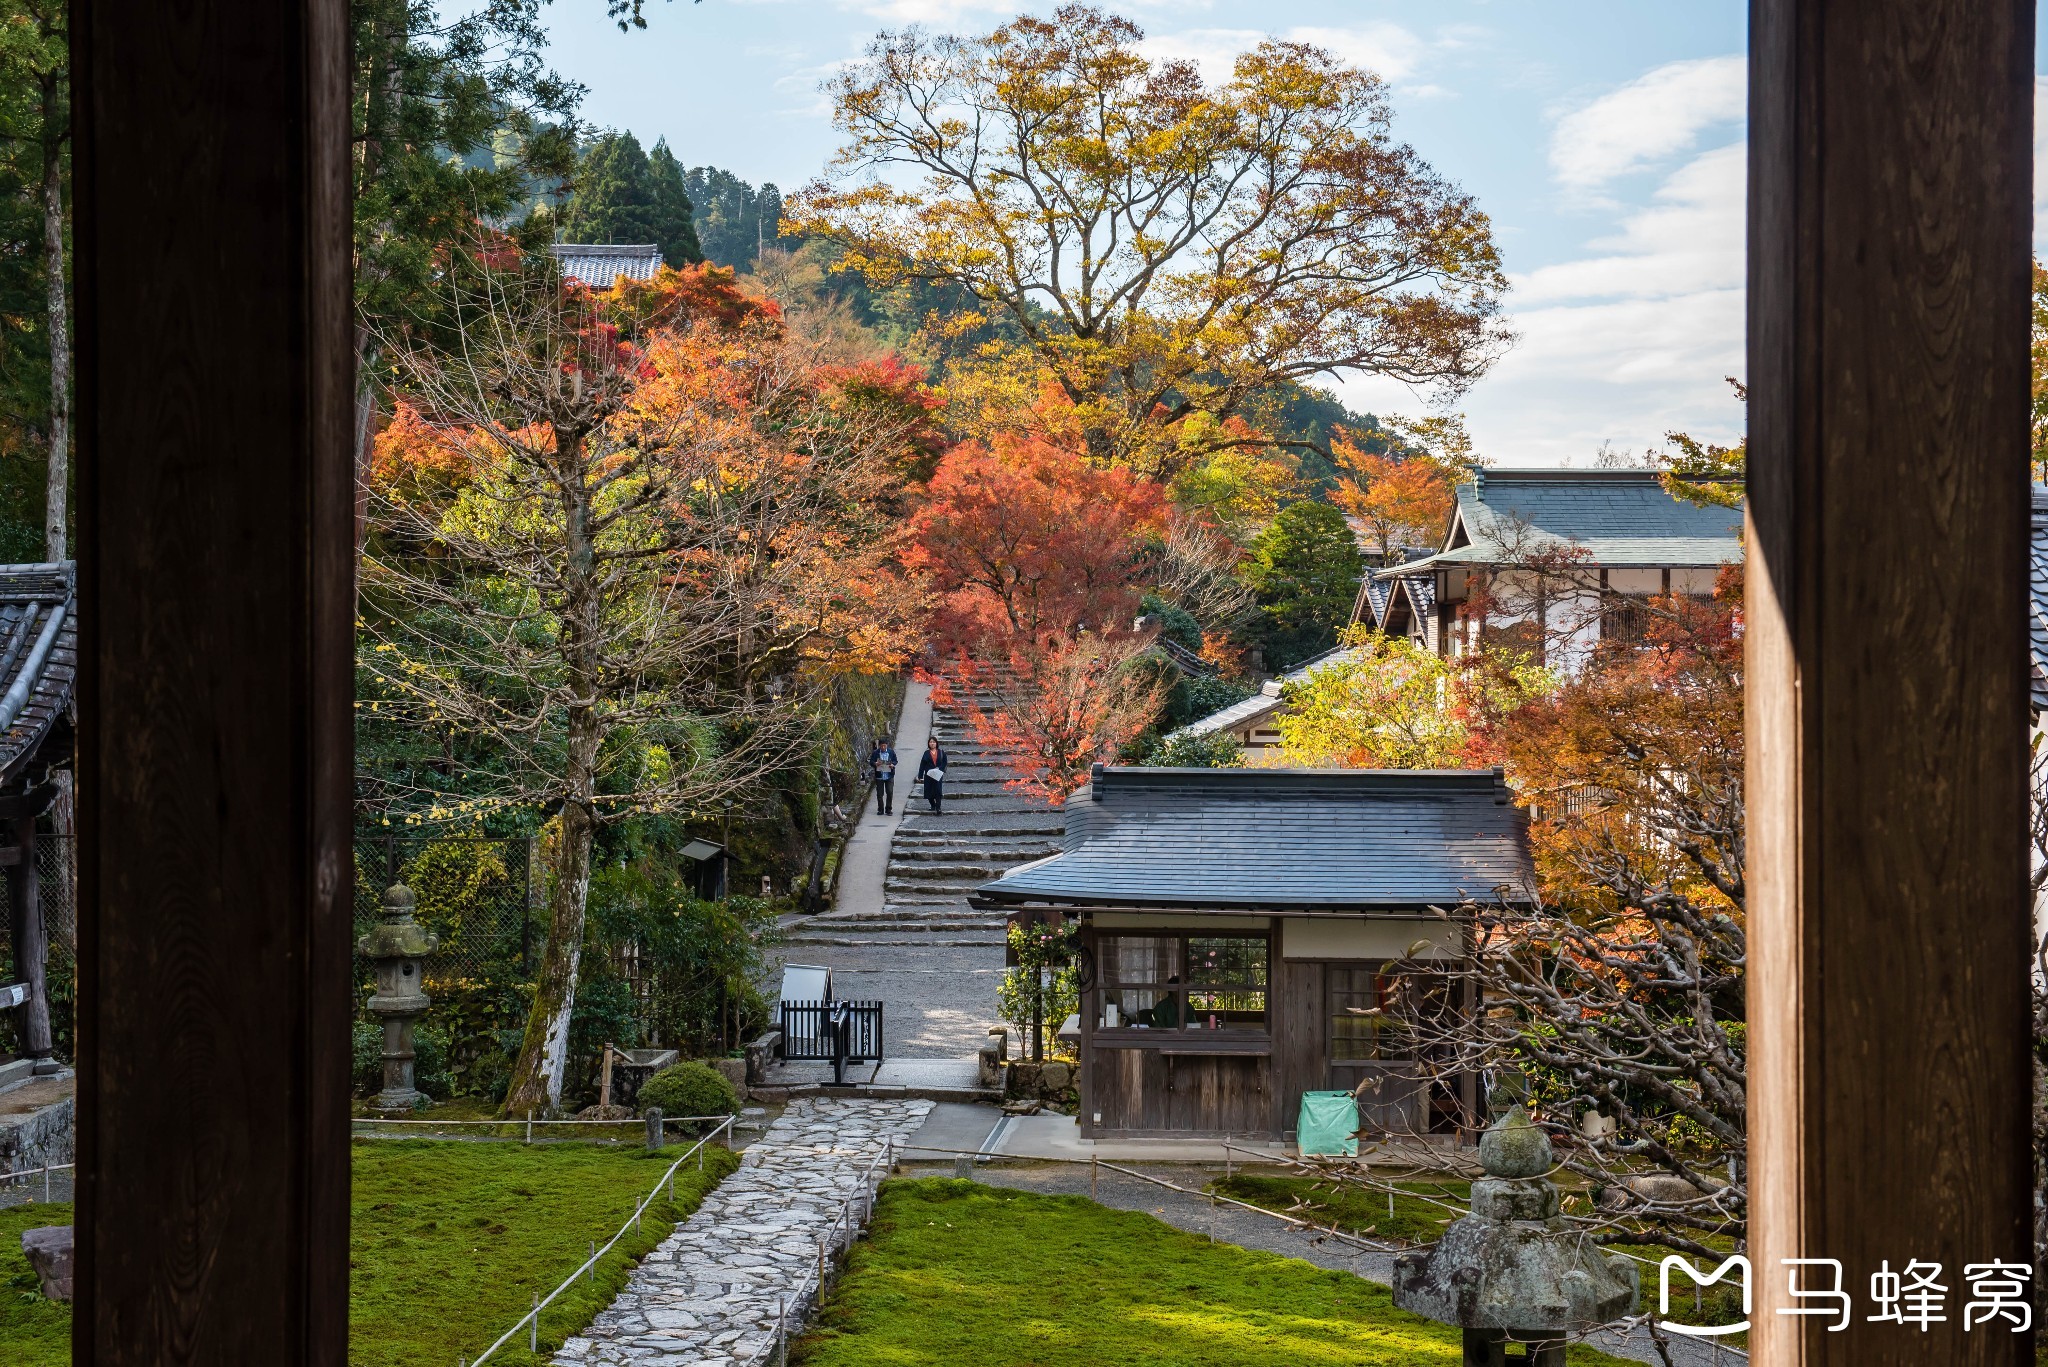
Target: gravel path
point(709, 1294)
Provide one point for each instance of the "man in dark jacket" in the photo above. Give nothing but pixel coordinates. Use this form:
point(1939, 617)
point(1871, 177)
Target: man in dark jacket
point(882, 759)
point(931, 772)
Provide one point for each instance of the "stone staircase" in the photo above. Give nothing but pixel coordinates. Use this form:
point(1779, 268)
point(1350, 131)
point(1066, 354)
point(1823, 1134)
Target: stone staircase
point(985, 830)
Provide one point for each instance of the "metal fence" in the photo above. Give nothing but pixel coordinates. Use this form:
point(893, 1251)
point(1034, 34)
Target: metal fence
point(476, 894)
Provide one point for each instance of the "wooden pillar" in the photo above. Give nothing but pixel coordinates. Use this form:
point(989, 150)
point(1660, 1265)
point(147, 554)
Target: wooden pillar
point(214, 502)
point(1889, 207)
point(31, 944)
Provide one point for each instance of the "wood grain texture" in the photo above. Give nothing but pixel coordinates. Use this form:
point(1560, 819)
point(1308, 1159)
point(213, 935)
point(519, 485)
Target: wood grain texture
point(213, 511)
point(1888, 281)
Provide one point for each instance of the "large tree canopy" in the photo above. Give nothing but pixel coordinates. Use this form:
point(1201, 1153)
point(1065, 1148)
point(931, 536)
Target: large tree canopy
point(1167, 247)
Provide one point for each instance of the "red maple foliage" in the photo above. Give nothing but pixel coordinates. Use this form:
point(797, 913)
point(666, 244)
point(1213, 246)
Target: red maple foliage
point(1053, 708)
point(1026, 539)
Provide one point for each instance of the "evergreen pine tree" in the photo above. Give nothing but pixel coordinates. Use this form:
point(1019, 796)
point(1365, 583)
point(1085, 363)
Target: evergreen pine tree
point(614, 199)
point(674, 220)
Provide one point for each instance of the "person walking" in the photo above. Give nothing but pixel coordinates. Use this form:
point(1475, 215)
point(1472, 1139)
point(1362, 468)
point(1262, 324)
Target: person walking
point(882, 760)
point(931, 772)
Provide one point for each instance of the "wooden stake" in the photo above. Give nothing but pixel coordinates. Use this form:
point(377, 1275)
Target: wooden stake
point(604, 1091)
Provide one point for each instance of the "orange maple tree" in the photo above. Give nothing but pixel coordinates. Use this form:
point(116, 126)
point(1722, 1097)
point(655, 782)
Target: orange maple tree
point(1027, 538)
point(1396, 500)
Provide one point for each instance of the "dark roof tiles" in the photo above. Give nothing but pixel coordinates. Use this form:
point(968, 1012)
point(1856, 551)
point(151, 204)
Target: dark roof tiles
point(1277, 839)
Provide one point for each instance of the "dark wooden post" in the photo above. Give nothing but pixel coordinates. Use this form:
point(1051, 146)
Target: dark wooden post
point(214, 502)
point(1889, 205)
point(31, 936)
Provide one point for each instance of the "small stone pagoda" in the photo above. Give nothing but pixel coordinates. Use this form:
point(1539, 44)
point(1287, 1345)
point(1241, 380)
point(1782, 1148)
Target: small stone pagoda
point(1515, 1272)
point(397, 948)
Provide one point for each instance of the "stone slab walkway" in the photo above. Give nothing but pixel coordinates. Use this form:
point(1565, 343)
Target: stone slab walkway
point(708, 1295)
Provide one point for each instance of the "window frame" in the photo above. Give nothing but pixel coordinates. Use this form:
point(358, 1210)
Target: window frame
point(1164, 1036)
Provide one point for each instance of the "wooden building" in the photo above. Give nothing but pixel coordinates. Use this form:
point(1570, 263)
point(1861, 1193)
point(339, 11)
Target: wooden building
point(38, 664)
point(1555, 555)
point(1239, 924)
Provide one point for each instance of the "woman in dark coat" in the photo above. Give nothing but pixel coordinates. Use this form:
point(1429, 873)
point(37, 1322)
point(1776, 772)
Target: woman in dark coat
point(931, 772)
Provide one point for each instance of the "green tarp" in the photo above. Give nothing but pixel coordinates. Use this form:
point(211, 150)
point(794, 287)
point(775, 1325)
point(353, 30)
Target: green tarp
point(1328, 1124)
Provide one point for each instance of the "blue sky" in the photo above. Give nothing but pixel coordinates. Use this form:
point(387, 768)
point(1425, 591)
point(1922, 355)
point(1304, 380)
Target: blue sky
point(1605, 140)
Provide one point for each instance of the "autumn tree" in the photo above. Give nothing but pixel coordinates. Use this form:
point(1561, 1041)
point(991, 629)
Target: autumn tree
point(1055, 706)
point(1706, 474)
point(620, 539)
point(1399, 500)
point(1024, 538)
point(1622, 993)
point(1165, 248)
point(1391, 704)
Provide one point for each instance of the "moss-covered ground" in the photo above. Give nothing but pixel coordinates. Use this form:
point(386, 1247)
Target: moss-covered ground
point(448, 1243)
point(957, 1274)
point(33, 1332)
point(1420, 1211)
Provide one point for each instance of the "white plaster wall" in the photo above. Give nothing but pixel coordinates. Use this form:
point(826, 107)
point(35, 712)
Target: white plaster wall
point(1368, 937)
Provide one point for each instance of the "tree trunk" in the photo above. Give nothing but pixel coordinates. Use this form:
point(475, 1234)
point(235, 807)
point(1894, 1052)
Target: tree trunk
point(544, 1053)
point(55, 500)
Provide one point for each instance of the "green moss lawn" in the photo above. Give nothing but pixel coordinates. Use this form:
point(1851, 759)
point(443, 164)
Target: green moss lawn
point(1416, 1220)
point(448, 1242)
point(33, 1332)
point(957, 1274)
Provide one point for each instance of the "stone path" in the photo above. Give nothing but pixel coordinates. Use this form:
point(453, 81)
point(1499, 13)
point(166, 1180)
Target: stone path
point(708, 1295)
point(934, 861)
point(900, 930)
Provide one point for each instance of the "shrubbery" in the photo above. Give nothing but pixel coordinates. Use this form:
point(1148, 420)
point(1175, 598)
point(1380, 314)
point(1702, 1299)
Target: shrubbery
point(692, 1088)
point(429, 1060)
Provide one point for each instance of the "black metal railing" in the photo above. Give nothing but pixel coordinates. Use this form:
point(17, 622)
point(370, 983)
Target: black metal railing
point(839, 1032)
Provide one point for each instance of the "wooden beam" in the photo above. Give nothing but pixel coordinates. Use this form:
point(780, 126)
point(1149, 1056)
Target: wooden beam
point(31, 943)
point(1889, 222)
point(214, 501)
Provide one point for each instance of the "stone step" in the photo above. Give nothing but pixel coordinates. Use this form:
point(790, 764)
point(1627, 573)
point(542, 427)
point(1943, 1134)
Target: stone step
point(925, 833)
point(897, 915)
point(959, 850)
point(939, 873)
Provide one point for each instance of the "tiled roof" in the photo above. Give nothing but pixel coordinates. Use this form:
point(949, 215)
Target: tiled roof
point(2037, 601)
point(600, 265)
point(1620, 518)
point(1279, 839)
point(1263, 702)
point(38, 658)
point(1421, 594)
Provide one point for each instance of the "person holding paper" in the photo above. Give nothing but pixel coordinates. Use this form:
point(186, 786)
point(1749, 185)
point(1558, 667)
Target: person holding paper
point(931, 772)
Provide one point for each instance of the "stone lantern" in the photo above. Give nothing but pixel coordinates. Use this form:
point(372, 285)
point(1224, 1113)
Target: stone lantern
point(397, 946)
point(1514, 1271)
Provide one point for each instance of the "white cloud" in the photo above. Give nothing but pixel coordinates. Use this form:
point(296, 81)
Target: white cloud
point(1657, 115)
point(1688, 238)
point(2040, 162)
point(1625, 343)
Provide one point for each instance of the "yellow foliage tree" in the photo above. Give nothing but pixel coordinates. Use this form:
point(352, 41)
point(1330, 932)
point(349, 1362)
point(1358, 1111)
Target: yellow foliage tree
point(1165, 246)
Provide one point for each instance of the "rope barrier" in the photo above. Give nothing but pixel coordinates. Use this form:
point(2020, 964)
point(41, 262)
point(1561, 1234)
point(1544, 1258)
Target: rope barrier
point(589, 1266)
